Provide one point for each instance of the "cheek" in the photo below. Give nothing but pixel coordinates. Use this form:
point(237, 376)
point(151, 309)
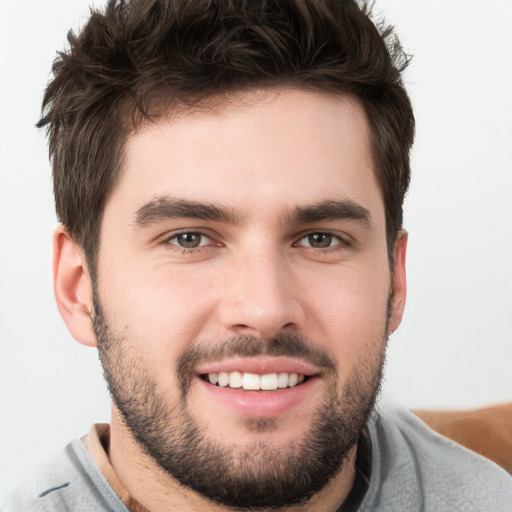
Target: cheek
point(158, 308)
point(348, 310)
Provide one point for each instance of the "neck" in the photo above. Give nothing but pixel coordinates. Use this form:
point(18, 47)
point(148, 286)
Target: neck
point(156, 491)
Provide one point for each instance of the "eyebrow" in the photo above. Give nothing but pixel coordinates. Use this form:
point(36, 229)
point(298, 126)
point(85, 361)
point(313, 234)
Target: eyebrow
point(163, 208)
point(329, 210)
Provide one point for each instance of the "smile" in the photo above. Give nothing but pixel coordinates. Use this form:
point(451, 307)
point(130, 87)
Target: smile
point(253, 381)
point(259, 387)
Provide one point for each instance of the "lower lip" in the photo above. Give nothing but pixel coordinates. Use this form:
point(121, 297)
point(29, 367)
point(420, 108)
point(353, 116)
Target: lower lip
point(260, 404)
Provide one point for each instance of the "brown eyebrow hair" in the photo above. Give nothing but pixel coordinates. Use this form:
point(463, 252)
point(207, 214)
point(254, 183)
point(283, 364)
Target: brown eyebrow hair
point(329, 210)
point(171, 208)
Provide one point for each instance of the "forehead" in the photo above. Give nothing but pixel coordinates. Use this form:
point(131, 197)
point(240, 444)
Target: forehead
point(271, 148)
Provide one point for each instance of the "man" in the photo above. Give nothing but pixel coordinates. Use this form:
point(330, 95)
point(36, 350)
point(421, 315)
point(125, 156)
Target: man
point(230, 177)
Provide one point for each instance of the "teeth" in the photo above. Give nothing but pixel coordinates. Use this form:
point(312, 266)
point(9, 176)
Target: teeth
point(293, 379)
point(223, 379)
point(235, 380)
point(269, 382)
point(251, 381)
point(255, 382)
point(282, 380)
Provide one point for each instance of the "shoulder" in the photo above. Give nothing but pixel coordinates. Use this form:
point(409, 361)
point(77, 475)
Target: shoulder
point(70, 481)
point(414, 468)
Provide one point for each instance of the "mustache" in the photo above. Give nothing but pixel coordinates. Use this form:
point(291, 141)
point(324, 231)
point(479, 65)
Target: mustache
point(282, 344)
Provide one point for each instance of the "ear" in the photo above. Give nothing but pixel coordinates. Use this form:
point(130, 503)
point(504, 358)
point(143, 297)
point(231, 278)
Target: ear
point(399, 284)
point(72, 287)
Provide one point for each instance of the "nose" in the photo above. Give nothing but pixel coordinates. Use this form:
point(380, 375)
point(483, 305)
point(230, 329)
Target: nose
point(261, 298)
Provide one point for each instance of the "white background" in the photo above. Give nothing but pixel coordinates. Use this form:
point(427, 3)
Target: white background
point(454, 348)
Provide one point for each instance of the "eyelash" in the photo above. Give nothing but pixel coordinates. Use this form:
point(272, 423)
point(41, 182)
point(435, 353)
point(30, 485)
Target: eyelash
point(342, 242)
point(190, 250)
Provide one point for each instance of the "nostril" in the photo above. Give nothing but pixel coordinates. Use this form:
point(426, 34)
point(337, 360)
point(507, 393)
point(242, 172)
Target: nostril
point(261, 330)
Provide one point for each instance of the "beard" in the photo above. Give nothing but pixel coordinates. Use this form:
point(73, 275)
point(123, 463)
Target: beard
point(258, 475)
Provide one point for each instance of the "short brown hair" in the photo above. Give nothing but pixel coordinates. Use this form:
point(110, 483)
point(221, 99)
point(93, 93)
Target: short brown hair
point(138, 58)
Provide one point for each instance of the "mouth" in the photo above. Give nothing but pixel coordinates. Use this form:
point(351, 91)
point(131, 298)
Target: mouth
point(260, 387)
point(247, 381)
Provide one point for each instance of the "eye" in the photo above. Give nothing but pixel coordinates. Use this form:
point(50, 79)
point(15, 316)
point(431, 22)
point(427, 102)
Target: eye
point(321, 241)
point(190, 240)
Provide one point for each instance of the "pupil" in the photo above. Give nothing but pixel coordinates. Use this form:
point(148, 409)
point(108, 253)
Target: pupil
point(320, 240)
point(189, 240)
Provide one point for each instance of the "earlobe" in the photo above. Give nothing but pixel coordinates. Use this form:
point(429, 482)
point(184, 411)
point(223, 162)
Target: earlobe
point(72, 287)
point(399, 284)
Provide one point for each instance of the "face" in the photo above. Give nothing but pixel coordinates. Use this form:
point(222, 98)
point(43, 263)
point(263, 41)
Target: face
point(243, 297)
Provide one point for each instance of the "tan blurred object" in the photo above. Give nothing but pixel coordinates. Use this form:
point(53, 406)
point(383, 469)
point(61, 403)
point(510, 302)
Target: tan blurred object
point(487, 431)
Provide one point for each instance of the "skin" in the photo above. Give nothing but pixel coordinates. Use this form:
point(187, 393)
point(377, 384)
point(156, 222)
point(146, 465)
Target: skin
point(261, 156)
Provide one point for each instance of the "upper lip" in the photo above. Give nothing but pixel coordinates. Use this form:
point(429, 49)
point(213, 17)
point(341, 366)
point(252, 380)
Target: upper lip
point(261, 365)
